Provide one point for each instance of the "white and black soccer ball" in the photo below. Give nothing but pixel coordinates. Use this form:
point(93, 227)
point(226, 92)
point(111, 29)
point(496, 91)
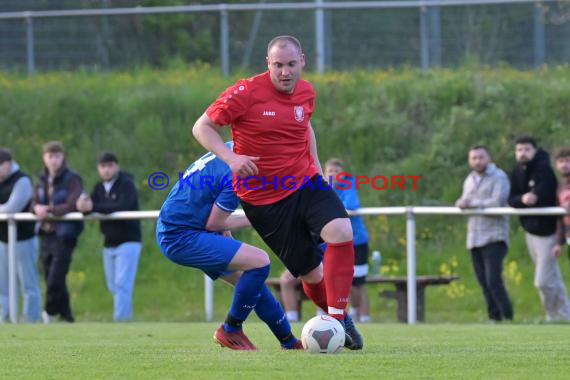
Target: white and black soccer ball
point(323, 334)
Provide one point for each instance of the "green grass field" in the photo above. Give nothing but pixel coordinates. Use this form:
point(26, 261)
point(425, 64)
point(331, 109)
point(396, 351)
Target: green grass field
point(186, 351)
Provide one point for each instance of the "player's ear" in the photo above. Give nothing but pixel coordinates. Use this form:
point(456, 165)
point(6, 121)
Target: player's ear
point(302, 61)
point(267, 61)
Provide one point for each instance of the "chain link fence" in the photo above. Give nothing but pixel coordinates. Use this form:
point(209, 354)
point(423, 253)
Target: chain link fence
point(381, 34)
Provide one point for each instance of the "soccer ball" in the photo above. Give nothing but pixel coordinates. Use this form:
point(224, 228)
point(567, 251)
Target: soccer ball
point(323, 334)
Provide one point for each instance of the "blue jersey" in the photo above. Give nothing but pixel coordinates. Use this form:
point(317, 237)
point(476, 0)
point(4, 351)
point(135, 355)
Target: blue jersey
point(349, 198)
point(206, 182)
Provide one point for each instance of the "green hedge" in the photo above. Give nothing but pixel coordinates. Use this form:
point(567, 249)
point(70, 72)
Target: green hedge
point(402, 122)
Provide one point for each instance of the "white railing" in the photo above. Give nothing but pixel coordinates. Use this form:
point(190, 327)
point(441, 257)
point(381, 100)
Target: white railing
point(318, 6)
point(409, 211)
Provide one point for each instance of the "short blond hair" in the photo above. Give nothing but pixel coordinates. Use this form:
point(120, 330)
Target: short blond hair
point(283, 41)
point(335, 162)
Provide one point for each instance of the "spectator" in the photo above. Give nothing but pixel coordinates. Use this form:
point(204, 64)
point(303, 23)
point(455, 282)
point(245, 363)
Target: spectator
point(533, 184)
point(563, 230)
point(55, 195)
point(289, 295)
point(122, 246)
point(488, 236)
point(359, 304)
point(15, 196)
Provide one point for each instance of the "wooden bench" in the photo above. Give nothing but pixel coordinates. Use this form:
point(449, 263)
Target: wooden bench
point(400, 294)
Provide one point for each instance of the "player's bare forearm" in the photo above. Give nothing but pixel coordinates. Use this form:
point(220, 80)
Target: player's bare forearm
point(207, 134)
point(221, 220)
point(237, 221)
point(314, 149)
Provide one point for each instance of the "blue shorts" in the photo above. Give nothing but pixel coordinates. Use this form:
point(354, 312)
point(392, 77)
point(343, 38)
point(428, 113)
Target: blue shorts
point(208, 251)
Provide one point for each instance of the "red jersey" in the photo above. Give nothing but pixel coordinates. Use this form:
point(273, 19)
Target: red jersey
point(273, 126)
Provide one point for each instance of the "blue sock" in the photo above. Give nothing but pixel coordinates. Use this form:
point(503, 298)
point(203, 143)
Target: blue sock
point(246, 296)
point(269, 310)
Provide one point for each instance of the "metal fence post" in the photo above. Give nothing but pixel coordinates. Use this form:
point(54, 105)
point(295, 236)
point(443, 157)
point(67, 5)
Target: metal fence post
point(424, 39)
point(30, 44)
point(209, 298)
point(224, 40)
point(538, 34)
point(411, 260)
point(251, 40)
point(320, 37)
point(435, 35)
point(12, 282)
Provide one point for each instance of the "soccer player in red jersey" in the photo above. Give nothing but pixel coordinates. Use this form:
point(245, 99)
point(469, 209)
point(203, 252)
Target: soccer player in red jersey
point(278, 177)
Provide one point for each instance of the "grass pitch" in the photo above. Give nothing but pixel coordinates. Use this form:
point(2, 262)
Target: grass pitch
point(186, 351)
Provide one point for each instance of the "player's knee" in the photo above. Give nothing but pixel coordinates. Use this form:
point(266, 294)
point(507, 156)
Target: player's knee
point(345, 231)
point(249, 257)
point(287, 280)
point(286, 275)
point(260, 259)
point(337, 231)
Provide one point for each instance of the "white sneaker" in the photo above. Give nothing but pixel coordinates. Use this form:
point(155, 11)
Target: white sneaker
point(365, 319)
point(353, 312)
point(46, 318)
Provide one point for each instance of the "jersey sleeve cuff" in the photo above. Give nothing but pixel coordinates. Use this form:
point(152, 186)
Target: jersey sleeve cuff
point(224, 208)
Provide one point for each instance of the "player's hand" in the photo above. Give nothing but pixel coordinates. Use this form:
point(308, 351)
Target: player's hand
point(529, 199)
point(244, 165)
point(42, 211)
point(84, 203)
point(462, 203)
point(557, 250)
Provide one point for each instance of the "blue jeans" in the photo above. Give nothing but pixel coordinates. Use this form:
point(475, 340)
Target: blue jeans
point(27, 277)
point(120, 264)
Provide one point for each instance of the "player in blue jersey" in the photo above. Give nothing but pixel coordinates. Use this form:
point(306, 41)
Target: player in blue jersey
point(193, 230)
point(348, 194)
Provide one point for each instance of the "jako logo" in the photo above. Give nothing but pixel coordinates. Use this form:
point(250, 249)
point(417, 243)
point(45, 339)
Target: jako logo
point(268, 113)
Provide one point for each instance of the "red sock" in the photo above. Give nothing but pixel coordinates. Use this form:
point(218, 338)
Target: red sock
point(317, 293)
point(339, 269)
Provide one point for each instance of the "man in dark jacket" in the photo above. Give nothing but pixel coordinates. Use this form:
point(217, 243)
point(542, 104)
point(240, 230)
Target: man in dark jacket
point(116, 192)
point(533, 184)
point(55, 195)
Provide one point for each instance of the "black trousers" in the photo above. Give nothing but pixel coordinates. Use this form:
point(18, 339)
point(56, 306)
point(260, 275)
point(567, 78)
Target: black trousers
point(56, 258)
point(488, 265)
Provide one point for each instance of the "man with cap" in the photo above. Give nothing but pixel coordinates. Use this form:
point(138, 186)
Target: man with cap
point(116, 192)
point(55, 194)
point(15, 196)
